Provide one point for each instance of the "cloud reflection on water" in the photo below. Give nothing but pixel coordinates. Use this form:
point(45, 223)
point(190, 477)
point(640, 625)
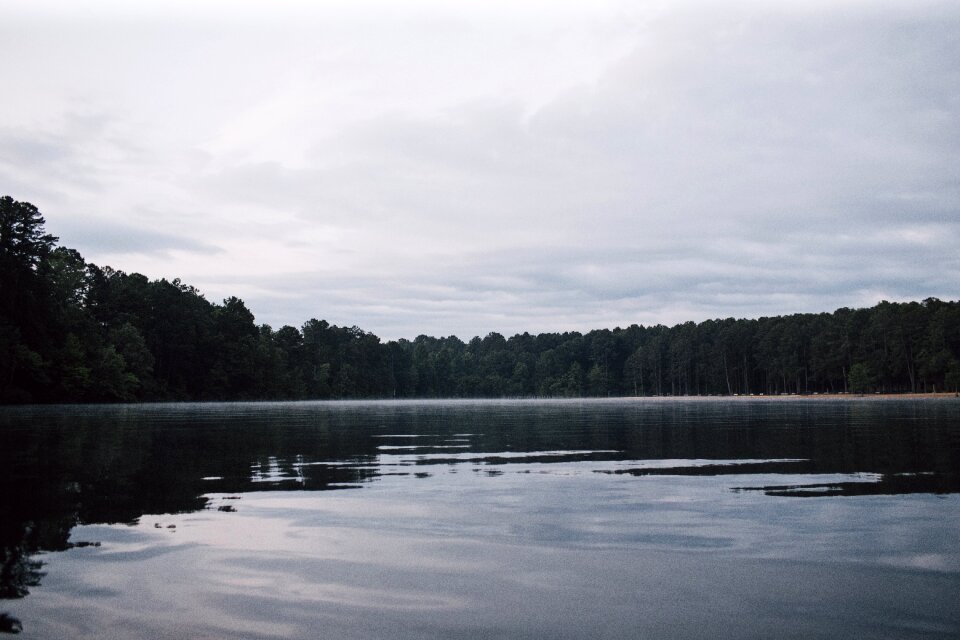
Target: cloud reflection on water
point(565, 519)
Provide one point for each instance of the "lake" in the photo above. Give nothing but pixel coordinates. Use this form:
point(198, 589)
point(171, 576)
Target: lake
point(653, 518)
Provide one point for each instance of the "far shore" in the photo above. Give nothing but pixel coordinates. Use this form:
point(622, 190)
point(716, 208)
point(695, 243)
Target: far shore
point(940, 395)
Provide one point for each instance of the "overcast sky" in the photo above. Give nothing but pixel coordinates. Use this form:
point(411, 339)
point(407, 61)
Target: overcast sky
point(467, 167)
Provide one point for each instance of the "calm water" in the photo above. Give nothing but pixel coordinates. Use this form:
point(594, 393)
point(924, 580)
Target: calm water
point(566, 519)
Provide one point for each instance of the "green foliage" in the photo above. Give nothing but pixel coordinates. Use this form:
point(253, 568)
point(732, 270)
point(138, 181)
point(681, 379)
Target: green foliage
point(112, 380)
point(21, 368)
point(952, 379)
point(860, 379)
point(23, 244)
point(633, 371)
point(128, 342)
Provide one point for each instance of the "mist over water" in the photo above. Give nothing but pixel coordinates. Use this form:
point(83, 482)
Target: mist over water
point(608, 518)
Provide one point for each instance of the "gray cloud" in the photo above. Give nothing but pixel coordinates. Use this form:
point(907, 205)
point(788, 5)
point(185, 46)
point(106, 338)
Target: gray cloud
point(571, 289)
point(721, 160)
point(109, 237)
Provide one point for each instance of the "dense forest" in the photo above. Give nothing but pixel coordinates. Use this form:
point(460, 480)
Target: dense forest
point(71, 331)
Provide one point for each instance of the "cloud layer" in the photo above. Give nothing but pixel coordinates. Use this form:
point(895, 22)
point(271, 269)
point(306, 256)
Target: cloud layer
point(439, 171)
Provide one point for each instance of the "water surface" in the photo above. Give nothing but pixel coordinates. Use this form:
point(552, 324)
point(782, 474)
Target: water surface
point(655, 518)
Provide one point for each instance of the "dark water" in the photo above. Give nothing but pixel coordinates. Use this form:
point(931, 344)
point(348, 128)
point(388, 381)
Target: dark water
point(656, 519)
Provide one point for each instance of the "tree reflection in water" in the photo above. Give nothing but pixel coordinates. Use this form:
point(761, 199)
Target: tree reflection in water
point(63, 466)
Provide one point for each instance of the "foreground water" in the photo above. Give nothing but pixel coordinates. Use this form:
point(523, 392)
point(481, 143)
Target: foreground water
point(560, 519)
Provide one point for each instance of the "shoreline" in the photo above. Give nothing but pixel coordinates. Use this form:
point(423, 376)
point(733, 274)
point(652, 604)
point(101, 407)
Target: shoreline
point(826, 397)
point(940, 395)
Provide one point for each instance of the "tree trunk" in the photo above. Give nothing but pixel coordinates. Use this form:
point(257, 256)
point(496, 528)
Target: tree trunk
point(746, 376)
point(726, 374)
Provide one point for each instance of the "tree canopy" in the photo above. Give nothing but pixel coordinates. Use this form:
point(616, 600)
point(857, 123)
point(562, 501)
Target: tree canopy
point(71, 331)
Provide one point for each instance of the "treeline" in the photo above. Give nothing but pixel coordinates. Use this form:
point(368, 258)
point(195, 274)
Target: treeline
point(71, 331)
